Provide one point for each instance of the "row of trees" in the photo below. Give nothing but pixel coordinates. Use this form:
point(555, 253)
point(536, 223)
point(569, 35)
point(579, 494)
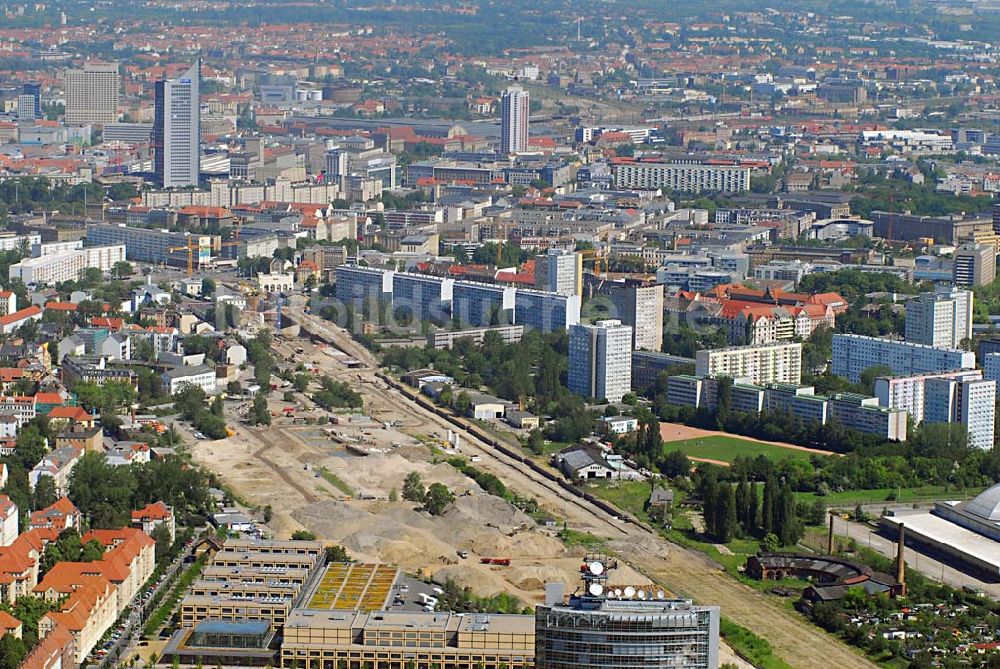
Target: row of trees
point(740, 510)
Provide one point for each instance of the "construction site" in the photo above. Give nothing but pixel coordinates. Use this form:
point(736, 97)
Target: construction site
point(342, 481)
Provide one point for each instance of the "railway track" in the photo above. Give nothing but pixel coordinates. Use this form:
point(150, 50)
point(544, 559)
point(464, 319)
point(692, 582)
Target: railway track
point(261, 454)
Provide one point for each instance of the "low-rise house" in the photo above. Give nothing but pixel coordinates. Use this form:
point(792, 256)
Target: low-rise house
point(58, 464)
point(10, 625)
point(202, 376)
point(155, 515)
point(583, 463)
point(618, 424)
point(122, 453)
point(86, 439)
point(522, 419)
point(60, 515)
point(483, 406)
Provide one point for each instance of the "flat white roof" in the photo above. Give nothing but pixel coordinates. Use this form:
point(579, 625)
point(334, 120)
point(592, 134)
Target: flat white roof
point(940, 531)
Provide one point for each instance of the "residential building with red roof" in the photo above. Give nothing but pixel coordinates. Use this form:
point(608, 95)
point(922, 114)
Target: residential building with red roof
point(9, 524)
point(10, 625)
point(154, 515)
point(56, 650)
point(14, 320)
point(60, 515)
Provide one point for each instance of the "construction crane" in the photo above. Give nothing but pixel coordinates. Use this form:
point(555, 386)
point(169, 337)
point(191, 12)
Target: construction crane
point(191, 248)
point(597, 257)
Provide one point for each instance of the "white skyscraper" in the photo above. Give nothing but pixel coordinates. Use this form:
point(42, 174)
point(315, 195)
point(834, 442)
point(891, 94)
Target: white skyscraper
point(515, 106)
point(600, 360)
point(560, 271)
point(92, 94)
point(177, 130)
point(942, 319)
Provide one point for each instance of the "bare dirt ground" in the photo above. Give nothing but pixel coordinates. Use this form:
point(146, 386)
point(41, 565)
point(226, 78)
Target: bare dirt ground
point(269, 467)
point(676, 432)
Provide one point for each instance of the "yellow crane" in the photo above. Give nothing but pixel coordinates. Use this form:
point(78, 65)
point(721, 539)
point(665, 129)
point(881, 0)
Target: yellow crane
point(191, 247)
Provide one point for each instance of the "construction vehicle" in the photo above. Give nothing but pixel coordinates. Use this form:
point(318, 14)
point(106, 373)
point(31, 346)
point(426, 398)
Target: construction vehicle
point(497, 561)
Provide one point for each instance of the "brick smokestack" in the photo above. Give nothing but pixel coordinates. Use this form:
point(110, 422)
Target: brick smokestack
point(829, 539)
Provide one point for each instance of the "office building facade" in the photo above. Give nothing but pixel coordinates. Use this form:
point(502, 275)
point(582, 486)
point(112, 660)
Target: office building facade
point(975, 265)
point(92, 94)
point(177, 130)
point(34, 91)
point(620, 633)
point(682, 177)
point(146, 245)
point(600, 360)
point(762, 363)
point(515, 108)
point(942, 319)
point(853, 354)
point(641, 306)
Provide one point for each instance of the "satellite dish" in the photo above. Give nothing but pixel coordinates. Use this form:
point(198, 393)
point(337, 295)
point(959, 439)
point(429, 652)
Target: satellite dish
point(596, 589)
point(596, 568)
point(642, 594)
point(618, 592)
point(629, 592)
point(660, 594)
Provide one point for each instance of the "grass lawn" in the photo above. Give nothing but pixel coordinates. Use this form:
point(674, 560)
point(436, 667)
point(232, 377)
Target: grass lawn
point(727, 449)
point(852, 497)
point(336, 481)
point(628, 496)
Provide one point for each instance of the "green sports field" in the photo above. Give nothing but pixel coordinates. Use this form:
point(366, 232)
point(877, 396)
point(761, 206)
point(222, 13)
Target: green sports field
point(727, 449)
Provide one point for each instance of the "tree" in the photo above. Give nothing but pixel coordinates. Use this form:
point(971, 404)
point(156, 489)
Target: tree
point(102, 492)
point(675, 464)
point(725, 514)
point(44, 494)
point(208, 286)
point(437, 498)
point(336, 553)
point(463, 403)
point(259, 412)
point(161, 535)
point(12, 651)
point(303, 535)
point(413, 488)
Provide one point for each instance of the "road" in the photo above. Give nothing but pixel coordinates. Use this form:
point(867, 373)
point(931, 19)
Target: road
point(941, 572)
point(683, 571)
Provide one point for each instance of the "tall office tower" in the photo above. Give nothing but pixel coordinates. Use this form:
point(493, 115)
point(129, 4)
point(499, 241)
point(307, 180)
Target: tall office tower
point(34, 90)
point(942, 319)
point(177, 131)
point(970, 401)
point(92, 94)
point(975, 264)
point(600, 360)
point(559, 271)
point(640, 305)
point(515, 106)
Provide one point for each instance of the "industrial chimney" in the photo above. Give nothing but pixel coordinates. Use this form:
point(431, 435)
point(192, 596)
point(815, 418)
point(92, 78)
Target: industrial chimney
point(829, 540)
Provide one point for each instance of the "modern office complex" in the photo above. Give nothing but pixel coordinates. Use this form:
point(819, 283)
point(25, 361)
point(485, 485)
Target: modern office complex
point(600, 360)
point(761, 363)
point(33, 90)
point(176, 130)
point(611, 627)
point(515, 108)
point(975, 264)
point(970, 401)
point(909, 392)
point(92, 94)
point(146, 245)
point(853, 354)
point(942, 319)
point(681, 177)
point(640, 305)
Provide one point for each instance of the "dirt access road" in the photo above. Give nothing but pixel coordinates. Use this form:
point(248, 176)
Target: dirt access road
point(683, 571)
